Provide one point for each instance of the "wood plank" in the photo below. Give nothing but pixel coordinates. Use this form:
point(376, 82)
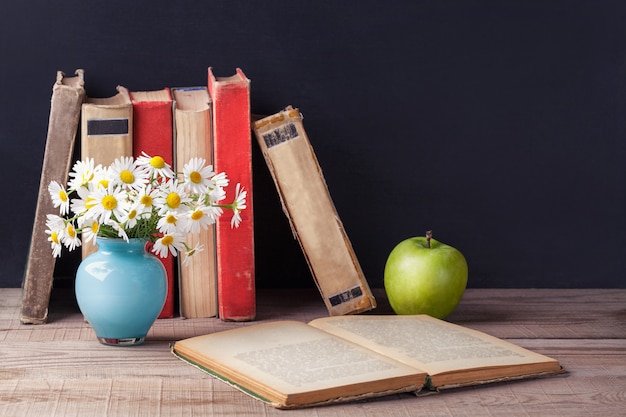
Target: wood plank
point(59, 369)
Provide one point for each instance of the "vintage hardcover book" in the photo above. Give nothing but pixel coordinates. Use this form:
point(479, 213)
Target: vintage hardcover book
point(193, 138)
point(312, 214)
point(290, 364)
point(106, 133)
point(153, 134)
point(68, 94)
point(232, 152)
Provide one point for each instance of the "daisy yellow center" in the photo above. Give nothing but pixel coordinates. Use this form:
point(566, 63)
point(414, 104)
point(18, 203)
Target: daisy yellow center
point(54, 236)
point(109, 202)
point(94, 227)
point(167, 240)
point(70, 231)
point(173, 200)
point(146, 200)
point(197, 215)
point(132, 214)
point(90, 202)
point(170, 219)
point(195, 177)
point(157, 162)
point(63, 196)
point(104, 183)
point(127, 177)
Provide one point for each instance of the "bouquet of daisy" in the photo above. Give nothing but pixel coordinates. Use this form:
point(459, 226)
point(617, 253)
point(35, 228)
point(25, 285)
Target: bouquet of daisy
point(139, 198)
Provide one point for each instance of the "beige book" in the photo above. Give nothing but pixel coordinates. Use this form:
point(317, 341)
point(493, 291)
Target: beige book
point(107, 128)
point(106, 133)
point(290, 364)
point(68, 94)
point(312, 214)
point(193, 138)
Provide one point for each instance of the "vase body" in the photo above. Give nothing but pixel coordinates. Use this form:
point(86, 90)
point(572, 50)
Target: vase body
point(121, 290)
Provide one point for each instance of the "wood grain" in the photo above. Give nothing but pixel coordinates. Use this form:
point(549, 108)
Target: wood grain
point(59, 369)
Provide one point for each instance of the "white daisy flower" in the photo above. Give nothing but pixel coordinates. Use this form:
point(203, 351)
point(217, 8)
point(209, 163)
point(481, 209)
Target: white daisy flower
point(197, 176)
point(55, 222)
point(238, 205)
point(55, 243)
point(84, 201)
point(171, 197)
point(89, 229)
point(132, 215)
point(191, 252)
point(145, 199)
point(168, 243)
point(201, 217)
point(170, 222)
point(220, 180)
point(55, 229)
point(126, 173)
point(82, 173)
point(216, 190)
point(59, 197)
point(70, 238)
point(106, 203)
point(155, 166)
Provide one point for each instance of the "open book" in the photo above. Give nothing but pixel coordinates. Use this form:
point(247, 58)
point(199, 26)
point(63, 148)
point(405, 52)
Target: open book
point(290, 364)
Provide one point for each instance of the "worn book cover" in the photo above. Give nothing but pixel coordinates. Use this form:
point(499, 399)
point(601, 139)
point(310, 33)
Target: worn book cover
point(232, 150)
point(106, 133)
point(153, 135)
point(68, 94)
point(193, 138)
point(312, 214)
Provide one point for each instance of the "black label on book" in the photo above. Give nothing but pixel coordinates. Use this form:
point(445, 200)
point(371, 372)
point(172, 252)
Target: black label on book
point(99, 127)
point(280, 134)
point(344, 297)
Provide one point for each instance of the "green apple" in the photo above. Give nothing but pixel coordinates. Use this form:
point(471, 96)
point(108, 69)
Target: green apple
point(424, 276)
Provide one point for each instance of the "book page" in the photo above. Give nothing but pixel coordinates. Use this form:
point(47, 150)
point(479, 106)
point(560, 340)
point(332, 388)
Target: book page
point(433, 345)
point(285, 359)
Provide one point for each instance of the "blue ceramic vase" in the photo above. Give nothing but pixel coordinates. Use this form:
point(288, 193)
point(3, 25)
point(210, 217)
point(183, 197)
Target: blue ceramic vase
point(121, 291)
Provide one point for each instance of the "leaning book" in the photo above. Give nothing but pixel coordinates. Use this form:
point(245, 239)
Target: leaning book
point(291, 364)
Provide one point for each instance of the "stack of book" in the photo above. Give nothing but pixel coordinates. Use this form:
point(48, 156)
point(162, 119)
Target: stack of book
point(210, 121)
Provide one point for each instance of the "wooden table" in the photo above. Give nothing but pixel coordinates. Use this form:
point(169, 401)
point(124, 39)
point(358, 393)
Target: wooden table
point(59, 369)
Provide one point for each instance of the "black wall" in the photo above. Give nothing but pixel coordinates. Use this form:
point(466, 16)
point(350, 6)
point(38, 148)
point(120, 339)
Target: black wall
point(498, 124)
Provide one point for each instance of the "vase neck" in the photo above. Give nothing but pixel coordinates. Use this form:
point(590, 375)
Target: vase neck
point(120, 245)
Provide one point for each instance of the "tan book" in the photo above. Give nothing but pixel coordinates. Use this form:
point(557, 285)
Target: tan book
point(68, 94)
point(290, 364)
point(312, 214)
point(193, 138)
point(107, 128)
point(106, 133)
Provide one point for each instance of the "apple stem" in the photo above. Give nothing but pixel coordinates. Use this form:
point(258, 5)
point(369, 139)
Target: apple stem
point(429, 235)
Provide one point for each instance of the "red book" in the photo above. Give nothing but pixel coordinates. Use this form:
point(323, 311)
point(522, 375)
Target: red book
point(232, 153)
point(152, 134)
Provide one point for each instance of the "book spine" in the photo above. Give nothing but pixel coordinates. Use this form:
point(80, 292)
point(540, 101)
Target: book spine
point(107, 129)
point(106, 134)
point(233, 155)
point(312, 214)
point(193, 138)
point(68, 94)
point(153, 134)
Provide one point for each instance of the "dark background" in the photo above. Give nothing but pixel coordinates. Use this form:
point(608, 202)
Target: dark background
point(498, 124)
